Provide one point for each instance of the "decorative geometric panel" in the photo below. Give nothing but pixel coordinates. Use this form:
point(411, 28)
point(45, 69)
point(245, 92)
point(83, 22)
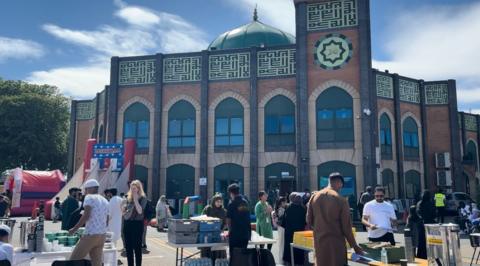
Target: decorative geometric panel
point(409, 91)
point(384, 86)
point(333, 51)
point(276, 63)
point(85, 110)
point(136, 72)
point(229, 66)
point(182, 69)
point(332, 14)
point(101, 102)
point(436, 94)
point(470, 122)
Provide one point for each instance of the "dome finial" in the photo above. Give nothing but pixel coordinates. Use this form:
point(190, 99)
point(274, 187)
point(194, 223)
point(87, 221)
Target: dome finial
point(255, 15)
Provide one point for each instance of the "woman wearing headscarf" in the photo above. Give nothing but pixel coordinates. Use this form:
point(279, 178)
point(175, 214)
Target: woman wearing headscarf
point(426, 212)
point(293, 221)
point(215, 209)
point(162, 213)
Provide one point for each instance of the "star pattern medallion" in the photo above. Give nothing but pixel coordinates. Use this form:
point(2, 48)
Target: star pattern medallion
point(333, 51)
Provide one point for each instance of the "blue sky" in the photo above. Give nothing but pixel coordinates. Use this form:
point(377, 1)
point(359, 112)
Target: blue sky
point(69, 43)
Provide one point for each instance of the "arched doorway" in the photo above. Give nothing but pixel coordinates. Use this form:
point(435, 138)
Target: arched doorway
point(279, 180)
point(226, 174)
point(347, 170)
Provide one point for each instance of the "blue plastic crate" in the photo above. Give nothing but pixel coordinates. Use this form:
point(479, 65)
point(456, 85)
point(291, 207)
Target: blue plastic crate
point(209, 237)
point(210, 226)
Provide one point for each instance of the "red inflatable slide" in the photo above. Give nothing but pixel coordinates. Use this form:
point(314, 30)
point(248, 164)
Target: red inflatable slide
point(34, 186)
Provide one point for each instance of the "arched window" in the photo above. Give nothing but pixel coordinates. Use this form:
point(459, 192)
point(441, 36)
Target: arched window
point(385, 137)
point(226, 174)
point(347, 170)
point(279, 180)
point(334, 111)
point(180, 181)
point(279, 122)
point(141, 174)
point(388, 183)
point(229, 123)
point(410, 139)
point(136, 125)
point(412, 184)
point(181, 125)
point(471, 154)
point(101, 134)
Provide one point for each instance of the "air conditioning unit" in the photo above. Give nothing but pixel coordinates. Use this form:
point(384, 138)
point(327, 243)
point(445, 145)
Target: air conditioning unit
point(444, 178)
point(442, 160)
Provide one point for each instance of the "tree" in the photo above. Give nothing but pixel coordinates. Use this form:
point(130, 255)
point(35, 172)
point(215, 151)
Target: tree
point(33, 126)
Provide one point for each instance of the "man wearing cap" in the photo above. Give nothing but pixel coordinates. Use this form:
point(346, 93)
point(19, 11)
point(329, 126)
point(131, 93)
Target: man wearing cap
point(6, 250)
point(95, 219)
point(329, 215)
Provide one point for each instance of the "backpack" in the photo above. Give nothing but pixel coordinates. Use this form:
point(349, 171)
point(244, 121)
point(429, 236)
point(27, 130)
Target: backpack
point(149, 211)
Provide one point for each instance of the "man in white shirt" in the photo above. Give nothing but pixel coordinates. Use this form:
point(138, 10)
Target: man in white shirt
point(115, 215)
point(378, 217)
point(95, 219)
point(6, 250)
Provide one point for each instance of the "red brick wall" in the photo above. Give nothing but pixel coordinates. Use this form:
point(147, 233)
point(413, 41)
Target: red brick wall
point(217, 88)
point(126, 93)
point(349, 73)
point(172, 90)
point(265, 86)
point(438, 137)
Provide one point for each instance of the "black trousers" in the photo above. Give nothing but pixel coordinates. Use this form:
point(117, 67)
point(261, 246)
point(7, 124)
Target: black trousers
point(236, 243)
point(133, 231)
point(388, 237)
point(441, 214)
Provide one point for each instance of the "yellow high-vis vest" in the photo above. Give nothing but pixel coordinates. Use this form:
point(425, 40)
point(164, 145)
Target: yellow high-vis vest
point(439, 200)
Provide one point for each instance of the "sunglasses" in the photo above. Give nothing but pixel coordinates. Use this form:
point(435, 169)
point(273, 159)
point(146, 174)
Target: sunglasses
point(379, 196)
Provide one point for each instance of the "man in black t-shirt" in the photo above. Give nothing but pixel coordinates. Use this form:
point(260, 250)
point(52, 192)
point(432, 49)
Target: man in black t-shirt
point(238, 219)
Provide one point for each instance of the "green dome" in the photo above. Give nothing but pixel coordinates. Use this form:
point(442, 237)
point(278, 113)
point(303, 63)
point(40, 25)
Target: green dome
point(254, 33)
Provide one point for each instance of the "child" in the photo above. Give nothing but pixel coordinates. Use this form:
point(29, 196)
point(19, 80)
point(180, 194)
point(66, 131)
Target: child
point(57, 211)
point(6, 250)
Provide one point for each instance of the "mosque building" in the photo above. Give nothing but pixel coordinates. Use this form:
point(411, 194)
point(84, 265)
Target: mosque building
point(277, 112)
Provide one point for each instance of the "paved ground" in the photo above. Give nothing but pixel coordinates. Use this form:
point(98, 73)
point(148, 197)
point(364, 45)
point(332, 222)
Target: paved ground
point(162, 254)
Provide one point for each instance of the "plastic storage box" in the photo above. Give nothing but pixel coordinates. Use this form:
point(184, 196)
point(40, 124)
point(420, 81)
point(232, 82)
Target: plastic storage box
point(182, 225)
point(209, 237)
point(182, 237)
point(209, 226)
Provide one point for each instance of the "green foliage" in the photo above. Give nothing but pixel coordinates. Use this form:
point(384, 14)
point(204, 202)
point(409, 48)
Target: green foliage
point(33, 126)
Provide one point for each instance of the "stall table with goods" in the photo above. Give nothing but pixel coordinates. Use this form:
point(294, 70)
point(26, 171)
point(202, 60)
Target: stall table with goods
point(202, 232)
point(43, 249)
point(304, 240)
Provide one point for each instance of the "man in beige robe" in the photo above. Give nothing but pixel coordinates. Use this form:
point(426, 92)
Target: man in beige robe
point(329, 215)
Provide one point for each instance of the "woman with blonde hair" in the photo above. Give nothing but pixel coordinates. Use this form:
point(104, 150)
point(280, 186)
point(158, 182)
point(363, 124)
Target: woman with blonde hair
point(133, 216)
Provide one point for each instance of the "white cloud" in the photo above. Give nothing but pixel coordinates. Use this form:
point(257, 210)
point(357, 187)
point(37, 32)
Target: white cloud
point(138, 16)
point(78, 82)
point(18, 48)
point(437, 42)
point(277, 13)
point(145, 31)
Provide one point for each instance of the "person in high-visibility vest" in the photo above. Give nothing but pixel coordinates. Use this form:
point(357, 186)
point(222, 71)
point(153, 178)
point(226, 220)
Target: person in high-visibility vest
point(440, 205)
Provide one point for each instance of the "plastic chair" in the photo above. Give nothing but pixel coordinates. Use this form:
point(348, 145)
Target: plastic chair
point(72, 263)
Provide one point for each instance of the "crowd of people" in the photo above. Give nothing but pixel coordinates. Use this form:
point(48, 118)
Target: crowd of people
point(325, 212)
